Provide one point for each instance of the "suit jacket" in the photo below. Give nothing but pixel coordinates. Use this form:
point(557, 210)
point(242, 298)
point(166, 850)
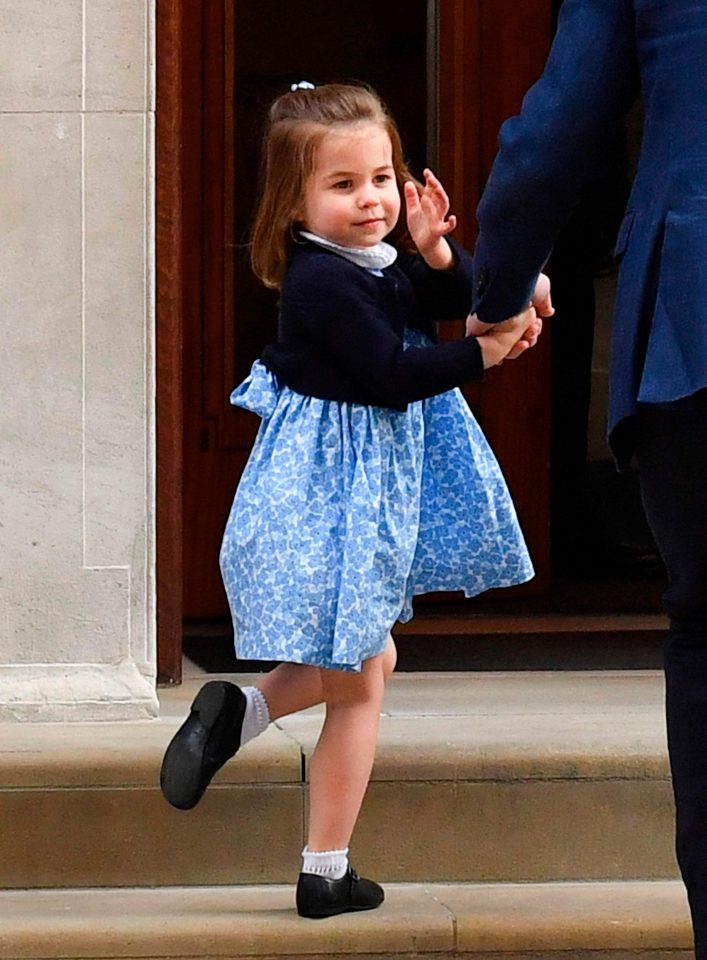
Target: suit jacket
point(603, 53)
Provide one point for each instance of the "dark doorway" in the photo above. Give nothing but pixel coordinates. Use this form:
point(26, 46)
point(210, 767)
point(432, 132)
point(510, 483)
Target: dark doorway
point(253, 53)
point(598, 530)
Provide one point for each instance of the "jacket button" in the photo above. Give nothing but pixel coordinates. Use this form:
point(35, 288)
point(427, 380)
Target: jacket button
point(482, 280)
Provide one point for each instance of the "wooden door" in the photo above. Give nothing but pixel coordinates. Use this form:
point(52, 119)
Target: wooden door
point(489, 52)
point(451, 71)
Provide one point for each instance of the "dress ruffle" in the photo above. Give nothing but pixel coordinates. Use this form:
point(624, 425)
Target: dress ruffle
point(258, 393)
point(344, 512)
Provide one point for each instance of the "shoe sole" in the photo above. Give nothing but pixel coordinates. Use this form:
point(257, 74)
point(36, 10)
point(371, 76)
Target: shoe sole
point(181, 775)
point(337, 913)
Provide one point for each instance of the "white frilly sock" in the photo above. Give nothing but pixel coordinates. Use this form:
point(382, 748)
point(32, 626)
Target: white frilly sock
point(331, 864)
point(257, 714)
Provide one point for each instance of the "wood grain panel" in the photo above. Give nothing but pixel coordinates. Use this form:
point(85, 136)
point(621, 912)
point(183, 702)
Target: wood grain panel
point(169, 297)
point(490, 52)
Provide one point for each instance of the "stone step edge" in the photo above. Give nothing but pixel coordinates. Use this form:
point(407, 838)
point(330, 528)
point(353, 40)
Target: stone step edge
point(442, 920)
point(544, 744)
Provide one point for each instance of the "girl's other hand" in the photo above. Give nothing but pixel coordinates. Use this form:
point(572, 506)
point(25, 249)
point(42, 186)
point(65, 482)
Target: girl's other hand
point(428, 221)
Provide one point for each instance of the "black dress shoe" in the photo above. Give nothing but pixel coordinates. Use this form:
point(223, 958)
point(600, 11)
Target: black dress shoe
point(319, 897)
point(209, 736)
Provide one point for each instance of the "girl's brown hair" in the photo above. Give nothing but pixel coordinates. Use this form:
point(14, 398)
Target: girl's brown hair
point(297, 123)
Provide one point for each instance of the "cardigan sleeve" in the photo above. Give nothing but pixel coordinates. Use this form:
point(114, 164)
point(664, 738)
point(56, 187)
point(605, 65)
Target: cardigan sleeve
point(344, 310)
point(443, 294)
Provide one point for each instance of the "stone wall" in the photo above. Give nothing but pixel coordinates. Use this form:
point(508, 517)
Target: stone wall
point(77, 623)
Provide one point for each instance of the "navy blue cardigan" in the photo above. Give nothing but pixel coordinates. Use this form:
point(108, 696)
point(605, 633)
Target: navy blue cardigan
point(340, 329)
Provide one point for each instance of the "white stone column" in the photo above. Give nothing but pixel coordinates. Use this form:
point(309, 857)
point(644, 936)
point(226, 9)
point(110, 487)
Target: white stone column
point(77, 541)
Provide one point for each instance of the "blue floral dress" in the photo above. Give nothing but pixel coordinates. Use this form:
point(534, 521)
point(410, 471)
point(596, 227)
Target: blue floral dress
point(345, 512)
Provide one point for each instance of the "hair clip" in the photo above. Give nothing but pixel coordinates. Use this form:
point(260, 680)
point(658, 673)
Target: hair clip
point(302, 85)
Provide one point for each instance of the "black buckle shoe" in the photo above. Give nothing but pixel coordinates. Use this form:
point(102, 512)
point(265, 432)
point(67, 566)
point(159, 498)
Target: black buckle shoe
point(319, 897)
point(209, 737)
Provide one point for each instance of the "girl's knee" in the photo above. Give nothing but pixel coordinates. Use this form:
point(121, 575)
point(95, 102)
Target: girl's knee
point(347, 687)
point(341, 687)
point(390, 658)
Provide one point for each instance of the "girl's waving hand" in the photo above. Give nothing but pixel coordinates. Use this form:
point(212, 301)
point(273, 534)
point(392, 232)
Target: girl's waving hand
point(428, 220)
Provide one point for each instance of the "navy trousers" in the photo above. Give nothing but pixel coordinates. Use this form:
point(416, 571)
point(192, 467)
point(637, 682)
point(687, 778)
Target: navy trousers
point(672, 460)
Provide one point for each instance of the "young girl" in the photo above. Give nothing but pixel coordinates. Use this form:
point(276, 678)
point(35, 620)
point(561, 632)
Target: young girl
point(369, 481)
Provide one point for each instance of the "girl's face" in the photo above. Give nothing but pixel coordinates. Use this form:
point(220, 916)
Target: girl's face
point(352, 196)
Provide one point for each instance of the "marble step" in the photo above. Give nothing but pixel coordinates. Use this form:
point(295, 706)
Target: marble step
point(618, 920)
point(485, 777)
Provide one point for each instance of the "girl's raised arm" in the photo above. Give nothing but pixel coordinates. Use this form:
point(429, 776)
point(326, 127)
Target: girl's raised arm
point(429, 221)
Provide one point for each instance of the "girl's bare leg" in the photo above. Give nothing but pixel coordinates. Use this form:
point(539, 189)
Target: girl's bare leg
point(291, 687)
point(343, 759)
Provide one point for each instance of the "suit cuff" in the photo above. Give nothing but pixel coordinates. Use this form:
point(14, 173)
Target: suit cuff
point(498, 299)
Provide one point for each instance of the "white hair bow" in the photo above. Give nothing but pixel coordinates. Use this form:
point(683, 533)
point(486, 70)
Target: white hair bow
point(302, 85)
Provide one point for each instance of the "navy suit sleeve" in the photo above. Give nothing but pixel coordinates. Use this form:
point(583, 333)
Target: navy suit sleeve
point(348, 317)
point(550, 152)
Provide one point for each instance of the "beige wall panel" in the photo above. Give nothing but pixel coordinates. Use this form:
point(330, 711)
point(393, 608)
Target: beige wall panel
point(115, 338)
point(40, 305)
point(75, 475)
point(40, 55)
point(77, 623)
point(118, 500)
point(64, 616)
point(58, 612)
point(118, 36)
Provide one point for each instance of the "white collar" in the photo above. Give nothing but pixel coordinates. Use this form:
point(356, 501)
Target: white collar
point(372, 258)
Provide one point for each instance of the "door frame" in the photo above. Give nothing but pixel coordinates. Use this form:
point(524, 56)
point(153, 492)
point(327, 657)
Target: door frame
point(170, 238)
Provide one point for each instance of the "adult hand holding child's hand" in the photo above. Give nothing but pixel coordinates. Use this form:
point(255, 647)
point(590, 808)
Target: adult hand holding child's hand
point(507, 340)
point(540, 306)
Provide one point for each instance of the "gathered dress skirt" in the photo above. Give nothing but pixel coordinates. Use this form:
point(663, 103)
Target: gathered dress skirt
point(345, 512)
